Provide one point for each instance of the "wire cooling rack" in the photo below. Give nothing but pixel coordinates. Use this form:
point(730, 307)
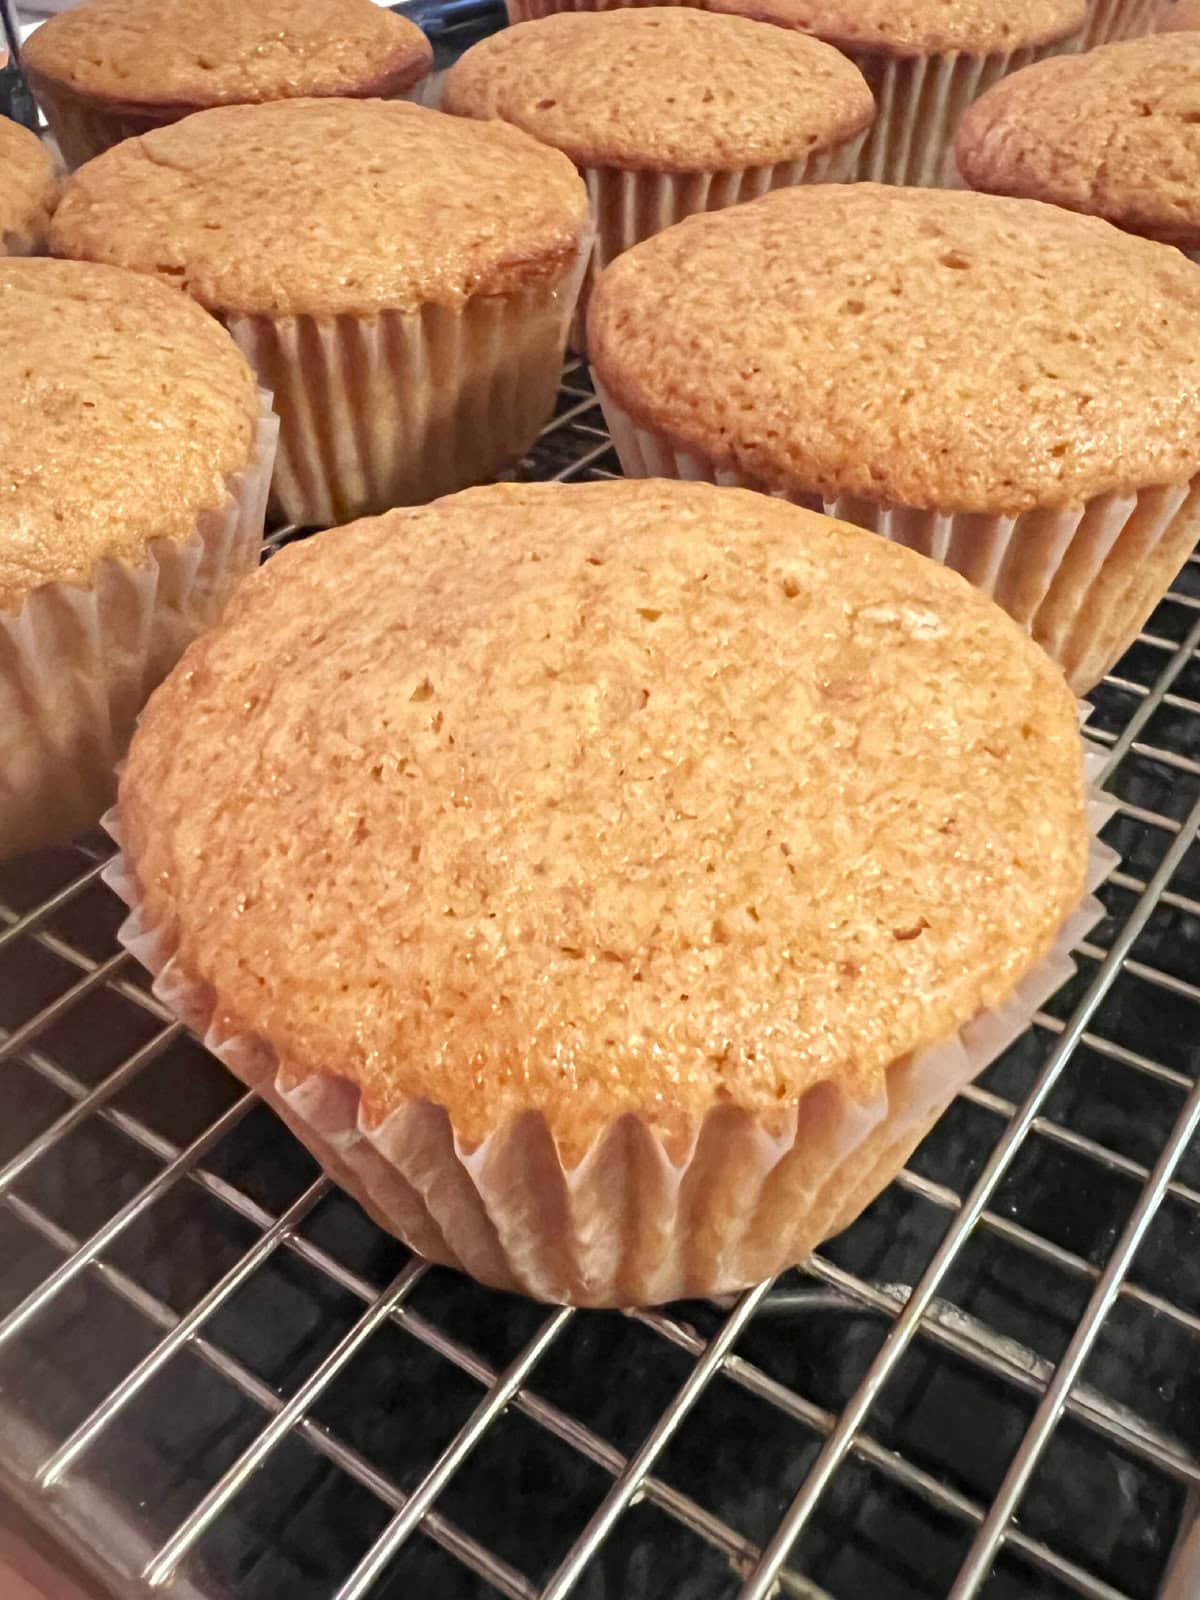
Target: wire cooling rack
point(216, 1375)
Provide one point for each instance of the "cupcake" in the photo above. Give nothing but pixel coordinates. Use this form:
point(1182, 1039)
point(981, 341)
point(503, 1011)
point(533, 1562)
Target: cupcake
point(134, 460)
point(1115, 133)
point(924, 62)
point(667, 111)
point(1009, 388)
point(614, 881)
point(110, 69)
point(28, 191)
point(402, 281)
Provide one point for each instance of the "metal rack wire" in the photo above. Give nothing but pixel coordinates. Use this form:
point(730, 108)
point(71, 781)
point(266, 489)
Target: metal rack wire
point(216, 1374)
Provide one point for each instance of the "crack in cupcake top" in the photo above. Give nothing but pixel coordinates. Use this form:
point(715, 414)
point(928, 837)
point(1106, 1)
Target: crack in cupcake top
point(627, 797)
point(942, 350)
point(666, 87)
point(328, 206)
point(920, 27)
point(126, 407)
point(28, 189)
point(1115, 133)
point(214, 52)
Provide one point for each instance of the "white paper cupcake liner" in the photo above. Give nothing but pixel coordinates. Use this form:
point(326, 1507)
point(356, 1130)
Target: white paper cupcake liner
point(627, 1224)
point(77, 662)
point(401, 407)
point(84, 129)
point(629, 206)
point(1080, 579)
point(1110, 20)
point(919, 103)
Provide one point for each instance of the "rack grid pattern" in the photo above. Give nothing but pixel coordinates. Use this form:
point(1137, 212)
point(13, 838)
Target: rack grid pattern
point(217, 1375)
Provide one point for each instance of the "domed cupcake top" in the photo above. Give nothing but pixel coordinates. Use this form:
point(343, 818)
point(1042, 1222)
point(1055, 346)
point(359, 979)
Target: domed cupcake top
point(615, 797)
point(664, 87)
point(328, 206)
point(217, 52)
point(125, 408)
point(1115, 132)
point(936, 349)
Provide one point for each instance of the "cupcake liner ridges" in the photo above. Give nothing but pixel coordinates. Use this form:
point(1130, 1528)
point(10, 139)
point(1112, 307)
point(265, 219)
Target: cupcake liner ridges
point(627, 1225)
point(77, 662)
point(1080, 579)
point(919, 103)
point(403, 406)
point(1110, 20)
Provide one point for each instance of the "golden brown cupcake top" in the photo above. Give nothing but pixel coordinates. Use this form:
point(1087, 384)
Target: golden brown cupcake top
point(28, 190)
point(217, 52)
point(125, 408)
point(623, 797)
point(920, 27)
point(666, 88)
point(1178, 16)
point(938, 349)
point(328, 206)
point(1115, 133)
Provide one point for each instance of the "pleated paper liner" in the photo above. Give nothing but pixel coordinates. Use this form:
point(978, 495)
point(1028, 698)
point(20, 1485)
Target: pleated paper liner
point(1080, 579)
point(631, 1223)
point(403, 406)
point(78, 661)
point(919, 103)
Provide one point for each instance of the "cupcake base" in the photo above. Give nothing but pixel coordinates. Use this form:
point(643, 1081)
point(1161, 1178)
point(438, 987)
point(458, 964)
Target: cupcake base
point(1081, 580)
point(627, 1225)
point(78, 663)
point(399, 408)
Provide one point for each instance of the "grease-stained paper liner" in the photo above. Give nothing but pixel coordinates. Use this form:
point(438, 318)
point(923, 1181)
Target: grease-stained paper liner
point(627, 1225)
point(78, 661)
point(1080, 579)
point(84, 129)
point(403, 406)
point(629, 206)
point(1110, 20)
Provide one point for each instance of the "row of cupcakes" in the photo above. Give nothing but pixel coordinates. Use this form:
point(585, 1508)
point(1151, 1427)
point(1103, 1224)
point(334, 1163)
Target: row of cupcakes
point(402, 280)
point(112, 69)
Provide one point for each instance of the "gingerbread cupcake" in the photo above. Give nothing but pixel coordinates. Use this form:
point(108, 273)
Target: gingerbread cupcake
point(1007, 387)
point(136, 455)
point(617, 880)
point(924, 61)
point(402, 281)
point(111, 69)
